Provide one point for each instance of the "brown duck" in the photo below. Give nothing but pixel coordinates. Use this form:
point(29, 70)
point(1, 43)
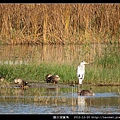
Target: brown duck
point(55, 79)
point(86, 92)
point(52, 78)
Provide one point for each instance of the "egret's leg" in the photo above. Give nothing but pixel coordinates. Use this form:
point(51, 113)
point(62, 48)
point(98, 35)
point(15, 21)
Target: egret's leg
point(79, 87)
point(80, 84)
point(80, 81)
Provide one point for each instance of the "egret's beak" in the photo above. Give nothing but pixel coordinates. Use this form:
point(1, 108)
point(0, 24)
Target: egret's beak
point(86, 63)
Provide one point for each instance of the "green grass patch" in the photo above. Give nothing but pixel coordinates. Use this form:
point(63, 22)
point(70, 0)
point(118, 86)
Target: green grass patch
point(95, 74)
point(106, 68)
point(36, 72)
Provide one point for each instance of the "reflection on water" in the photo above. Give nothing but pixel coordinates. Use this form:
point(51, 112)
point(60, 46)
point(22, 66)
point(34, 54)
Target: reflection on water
point(81, 104)
point(60, 53)
point(48, 98)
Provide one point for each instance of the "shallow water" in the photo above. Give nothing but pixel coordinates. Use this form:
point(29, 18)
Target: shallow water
point(42, 98)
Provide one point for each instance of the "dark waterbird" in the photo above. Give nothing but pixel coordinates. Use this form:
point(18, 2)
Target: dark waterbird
point(86, 92)
point(47, 77)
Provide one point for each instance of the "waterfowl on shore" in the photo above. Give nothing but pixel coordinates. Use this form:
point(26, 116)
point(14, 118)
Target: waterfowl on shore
point(55, 79)
point(52, 78)
point(20, 82)
point(81, 71)
point(86, 92)
point(47, 77)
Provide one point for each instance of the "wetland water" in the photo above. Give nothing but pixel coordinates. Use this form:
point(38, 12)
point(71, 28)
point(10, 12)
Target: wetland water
point(43, 98)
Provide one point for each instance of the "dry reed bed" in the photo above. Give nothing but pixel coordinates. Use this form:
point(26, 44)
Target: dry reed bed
point(59, 23)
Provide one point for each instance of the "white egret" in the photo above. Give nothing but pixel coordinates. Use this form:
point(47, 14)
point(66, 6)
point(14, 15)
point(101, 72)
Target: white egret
point(81, 71)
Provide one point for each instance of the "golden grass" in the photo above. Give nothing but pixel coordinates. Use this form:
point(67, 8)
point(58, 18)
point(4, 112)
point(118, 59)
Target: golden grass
point(59, 23)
